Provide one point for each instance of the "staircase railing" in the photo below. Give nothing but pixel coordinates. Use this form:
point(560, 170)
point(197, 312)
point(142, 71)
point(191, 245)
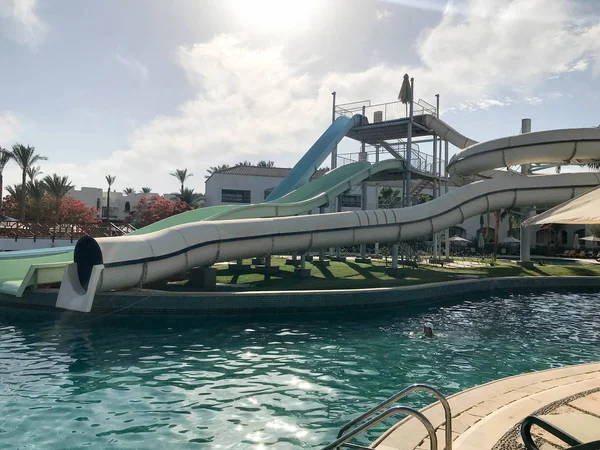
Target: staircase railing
point(344, 435)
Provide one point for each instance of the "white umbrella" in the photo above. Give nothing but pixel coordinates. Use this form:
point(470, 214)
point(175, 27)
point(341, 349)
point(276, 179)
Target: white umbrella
point(511, 240)
point(576, 242)
point(480, 241)
point(458, 239)
point(590, 238)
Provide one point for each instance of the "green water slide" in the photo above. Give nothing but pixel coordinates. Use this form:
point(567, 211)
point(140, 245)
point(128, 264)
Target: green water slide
point(19, 273)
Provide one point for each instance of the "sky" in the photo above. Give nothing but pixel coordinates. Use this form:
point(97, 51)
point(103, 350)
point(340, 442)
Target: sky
point(138, 88)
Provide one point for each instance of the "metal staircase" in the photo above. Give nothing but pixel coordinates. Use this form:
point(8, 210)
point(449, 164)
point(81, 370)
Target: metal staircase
point(375, 415)
point(419, 187)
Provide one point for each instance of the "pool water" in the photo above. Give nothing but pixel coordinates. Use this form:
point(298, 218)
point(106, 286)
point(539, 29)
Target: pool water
point(285, 382)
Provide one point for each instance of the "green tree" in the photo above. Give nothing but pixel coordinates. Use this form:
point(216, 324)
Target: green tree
point(146, 190)
point(58, 187)
point(595, 229)
point(33, 172)
point(244, 163)
point(129, 191)
point(263, 163)
point(191, 198)
point(181, 175)
point(36, 191)
point(14, 191)
point(110, 179)
point(214, 169)
point(25, 157)
point(5, 157)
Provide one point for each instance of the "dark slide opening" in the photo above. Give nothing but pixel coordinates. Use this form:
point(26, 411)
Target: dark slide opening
point(87, 255)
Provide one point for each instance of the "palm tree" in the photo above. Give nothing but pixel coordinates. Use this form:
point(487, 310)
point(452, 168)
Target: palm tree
point(110, 179)
point(36, 191)
point(214, 169)
point(5, 157)
point(57, 187)
point(181, 175)
point(14, 191)
point(146, 190)
point(190, 197)
point(129, 191)
point(264, 163)
point(244, 163)
point(25, 157)
point(33, 172)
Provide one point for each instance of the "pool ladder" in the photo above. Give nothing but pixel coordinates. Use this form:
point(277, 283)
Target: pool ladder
point(373, 416)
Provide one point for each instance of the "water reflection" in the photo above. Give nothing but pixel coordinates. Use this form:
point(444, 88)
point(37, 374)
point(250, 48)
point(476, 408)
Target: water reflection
point(288, 381)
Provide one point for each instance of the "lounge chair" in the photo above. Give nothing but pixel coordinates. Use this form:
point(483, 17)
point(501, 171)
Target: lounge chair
point(564, 254)
point(580, 431)
point(581, 254)
point(571, 253)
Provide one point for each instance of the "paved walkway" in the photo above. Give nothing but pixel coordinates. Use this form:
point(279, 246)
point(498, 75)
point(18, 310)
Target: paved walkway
point(487, 417)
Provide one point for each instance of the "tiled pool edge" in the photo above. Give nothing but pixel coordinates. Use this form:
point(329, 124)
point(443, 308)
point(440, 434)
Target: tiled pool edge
point(264, 302)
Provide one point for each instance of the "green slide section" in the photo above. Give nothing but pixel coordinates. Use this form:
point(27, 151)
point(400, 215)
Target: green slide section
point(306, 198)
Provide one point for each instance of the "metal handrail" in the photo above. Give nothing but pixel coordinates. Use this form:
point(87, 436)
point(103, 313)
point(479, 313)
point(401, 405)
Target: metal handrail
point(403, 393)
point(341, 440)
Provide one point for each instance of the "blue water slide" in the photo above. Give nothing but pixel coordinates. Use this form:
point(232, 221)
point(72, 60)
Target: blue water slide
point(314, 157)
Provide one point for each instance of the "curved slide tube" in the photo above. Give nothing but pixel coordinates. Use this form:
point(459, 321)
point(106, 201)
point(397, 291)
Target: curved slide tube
point(42, 266)
point(578, 145)
point(115, 263)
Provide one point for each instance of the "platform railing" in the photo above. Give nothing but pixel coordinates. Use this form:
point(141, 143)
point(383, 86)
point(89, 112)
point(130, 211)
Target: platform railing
point(420, 161)
point(393, 399)
point(383, 112)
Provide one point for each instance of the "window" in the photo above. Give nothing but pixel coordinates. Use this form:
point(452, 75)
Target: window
point(98, 203)
point(268, 192)
point(235, 196)
point(127, 206)
point(351, 201)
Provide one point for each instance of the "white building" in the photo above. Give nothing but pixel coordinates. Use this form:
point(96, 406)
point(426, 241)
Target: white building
point(120, 204)
point(241, 185)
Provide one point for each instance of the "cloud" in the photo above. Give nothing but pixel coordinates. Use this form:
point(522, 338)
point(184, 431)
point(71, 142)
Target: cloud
point(10, 127)
point(482, 46)
point(251, 101)
point(136, 67)
point(380, 15)
point(21, 22)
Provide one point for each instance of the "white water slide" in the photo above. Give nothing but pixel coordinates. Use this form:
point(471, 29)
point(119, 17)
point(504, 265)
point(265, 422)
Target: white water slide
point(106, 264)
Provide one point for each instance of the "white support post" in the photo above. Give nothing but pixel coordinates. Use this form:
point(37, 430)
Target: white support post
point(525, 253)
point(407, 172)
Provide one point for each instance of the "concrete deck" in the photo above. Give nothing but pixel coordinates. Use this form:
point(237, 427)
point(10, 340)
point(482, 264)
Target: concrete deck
point(488, 417)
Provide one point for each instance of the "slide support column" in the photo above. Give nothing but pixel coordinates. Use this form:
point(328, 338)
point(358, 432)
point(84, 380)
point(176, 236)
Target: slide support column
point(525, 259)
point(408, 199)
point(435, 192)
point(446, 191)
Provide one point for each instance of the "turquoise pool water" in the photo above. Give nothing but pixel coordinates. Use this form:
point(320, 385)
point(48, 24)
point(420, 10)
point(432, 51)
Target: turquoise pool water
point(284, 382)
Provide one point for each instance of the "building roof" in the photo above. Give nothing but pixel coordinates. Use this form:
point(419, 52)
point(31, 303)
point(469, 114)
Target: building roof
point(253, 171)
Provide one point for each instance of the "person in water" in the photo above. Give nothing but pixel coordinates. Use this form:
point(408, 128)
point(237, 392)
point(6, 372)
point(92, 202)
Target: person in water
point(428, 329)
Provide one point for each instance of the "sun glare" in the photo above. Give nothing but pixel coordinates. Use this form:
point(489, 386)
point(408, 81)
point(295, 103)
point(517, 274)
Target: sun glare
point(273, 16)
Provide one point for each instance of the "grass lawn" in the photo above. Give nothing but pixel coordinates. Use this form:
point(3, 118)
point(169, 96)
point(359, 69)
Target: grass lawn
point(351, 275)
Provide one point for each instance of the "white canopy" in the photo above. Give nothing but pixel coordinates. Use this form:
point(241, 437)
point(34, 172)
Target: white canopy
point(590, 238)
point(580, 210)
point(457, 239)
point(511, 240)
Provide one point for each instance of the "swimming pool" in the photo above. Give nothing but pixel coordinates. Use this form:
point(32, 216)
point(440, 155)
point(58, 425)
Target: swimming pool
point(285, 382)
